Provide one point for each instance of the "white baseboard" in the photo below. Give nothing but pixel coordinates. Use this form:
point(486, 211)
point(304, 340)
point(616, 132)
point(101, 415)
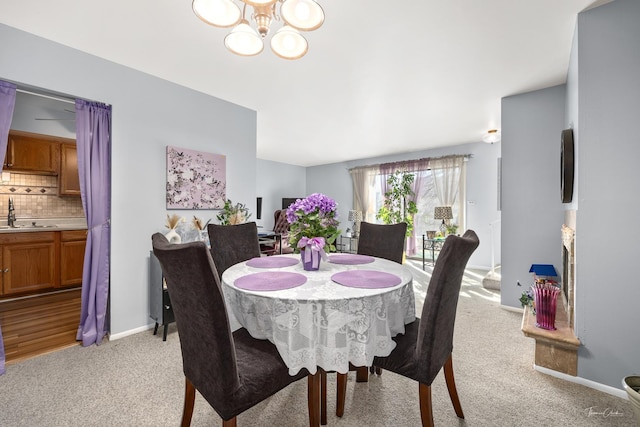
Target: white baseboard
point(117, 336)
point(582, 381)
point(510, 308)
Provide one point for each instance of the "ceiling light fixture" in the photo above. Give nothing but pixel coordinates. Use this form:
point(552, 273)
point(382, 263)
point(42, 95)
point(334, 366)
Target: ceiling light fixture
point(492, 136)
point(245, 40)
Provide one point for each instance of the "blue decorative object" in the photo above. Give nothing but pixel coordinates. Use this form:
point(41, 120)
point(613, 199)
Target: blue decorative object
point(543, 270)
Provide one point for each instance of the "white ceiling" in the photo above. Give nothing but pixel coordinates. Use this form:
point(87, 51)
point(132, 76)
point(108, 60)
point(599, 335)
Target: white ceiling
point(379, 78)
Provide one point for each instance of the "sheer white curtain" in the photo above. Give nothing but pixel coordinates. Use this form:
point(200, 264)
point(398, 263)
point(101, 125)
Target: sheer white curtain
point(448, 174)
point(363, 179)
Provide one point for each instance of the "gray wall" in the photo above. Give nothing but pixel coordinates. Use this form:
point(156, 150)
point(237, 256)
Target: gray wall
point(148, 114)
point(602, 106)
point(334, 180)
point(607, 290)
point(532, 211)
point(274, 181)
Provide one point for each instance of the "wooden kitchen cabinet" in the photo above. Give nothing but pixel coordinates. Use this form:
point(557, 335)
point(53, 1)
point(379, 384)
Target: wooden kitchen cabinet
point(72, 245)
point(29, 262)
point(34, 153)
point(69, 180)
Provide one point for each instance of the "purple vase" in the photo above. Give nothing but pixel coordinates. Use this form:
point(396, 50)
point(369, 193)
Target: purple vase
point(546, 299)
point(312, 263)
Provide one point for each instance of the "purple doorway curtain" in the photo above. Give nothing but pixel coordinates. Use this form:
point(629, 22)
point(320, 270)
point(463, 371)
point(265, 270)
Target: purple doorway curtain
point(93, 139)
point(7, 102)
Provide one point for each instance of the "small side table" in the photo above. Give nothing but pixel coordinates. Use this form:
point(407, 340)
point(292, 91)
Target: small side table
point(160, 308)
point(430, 245)
point(347, 244)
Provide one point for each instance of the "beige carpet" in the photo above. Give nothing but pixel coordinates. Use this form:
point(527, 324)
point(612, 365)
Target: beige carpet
point(138, 381)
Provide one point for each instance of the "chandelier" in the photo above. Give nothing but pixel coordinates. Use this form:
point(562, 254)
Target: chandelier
point(245, 40)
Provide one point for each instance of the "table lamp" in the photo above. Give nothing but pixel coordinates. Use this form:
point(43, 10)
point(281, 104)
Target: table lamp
point(444, 213)
point(356, 217)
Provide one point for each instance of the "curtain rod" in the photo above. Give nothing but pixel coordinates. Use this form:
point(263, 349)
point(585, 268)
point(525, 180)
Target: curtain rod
point(55, 98)
point(466, 156)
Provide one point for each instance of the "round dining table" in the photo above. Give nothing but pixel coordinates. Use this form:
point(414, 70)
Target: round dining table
point(345, 312)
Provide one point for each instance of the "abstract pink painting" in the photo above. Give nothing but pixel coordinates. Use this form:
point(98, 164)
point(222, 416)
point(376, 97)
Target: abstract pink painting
point(195, 179)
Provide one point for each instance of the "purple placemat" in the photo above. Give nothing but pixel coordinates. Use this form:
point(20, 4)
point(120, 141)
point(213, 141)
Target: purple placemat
point(272, 262)
point(351, 259)
point(270, 281)
point(369, 279)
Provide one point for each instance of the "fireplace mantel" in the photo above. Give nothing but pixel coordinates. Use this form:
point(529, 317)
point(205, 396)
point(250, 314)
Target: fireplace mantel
point(558, 350)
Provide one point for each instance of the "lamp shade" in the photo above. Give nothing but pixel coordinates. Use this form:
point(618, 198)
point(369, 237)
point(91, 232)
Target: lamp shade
point(287, 43)
point(244, 40)
point(219, 13)
point(443, 212)
point(355, 216)
point(304, 15)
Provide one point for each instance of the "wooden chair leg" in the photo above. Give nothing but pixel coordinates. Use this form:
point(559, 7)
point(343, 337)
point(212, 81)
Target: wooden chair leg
point(451, 386)
point(189, 400)
point(323, 397)
point(230, 423)
point(313, 393)
point(426, 411)
point(362, 374)
point(341, 394)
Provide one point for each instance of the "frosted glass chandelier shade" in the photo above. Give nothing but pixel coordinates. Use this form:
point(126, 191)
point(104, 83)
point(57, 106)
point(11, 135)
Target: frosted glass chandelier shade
point(492, 136)
point(244, 40)
point(219, 13)
point(287, 43)
point(304, 15)
point(251, 21)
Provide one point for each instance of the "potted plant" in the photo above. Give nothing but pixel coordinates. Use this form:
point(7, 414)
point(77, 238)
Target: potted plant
point(232, 214)
point(397, 206)
point(313, 227)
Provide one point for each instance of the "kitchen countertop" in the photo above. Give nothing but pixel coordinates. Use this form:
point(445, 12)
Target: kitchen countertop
point(26, 225)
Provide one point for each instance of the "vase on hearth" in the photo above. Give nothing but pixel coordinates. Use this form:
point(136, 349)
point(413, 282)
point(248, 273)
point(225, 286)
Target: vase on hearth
point(546, 299)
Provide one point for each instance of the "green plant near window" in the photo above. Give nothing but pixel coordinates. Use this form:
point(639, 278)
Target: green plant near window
point(232, 214)
point(397, 206)
point(452, 228)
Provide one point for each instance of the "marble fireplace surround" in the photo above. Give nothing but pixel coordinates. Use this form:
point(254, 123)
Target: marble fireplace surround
point(558, 350)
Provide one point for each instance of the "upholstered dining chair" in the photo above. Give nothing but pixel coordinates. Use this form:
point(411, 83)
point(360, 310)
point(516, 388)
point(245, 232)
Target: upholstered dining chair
point(232, 371)
point(231, 244)
point(382, 241)
point(427, 344)
point(280, 226)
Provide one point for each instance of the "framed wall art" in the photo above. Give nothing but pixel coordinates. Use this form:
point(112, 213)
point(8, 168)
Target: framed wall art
point(195, 179)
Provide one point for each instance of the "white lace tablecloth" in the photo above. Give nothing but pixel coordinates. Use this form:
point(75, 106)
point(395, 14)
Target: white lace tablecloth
point(321, 323)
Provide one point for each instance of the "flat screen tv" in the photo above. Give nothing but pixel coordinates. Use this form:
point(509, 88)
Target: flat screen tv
point(286, 201)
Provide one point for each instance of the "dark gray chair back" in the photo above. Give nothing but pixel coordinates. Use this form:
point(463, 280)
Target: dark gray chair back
point(206, 341)
point(231, 244)
point(435, 336)
point(382, 240)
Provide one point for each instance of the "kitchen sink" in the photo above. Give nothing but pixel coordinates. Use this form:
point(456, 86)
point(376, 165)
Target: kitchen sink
point(19, 227)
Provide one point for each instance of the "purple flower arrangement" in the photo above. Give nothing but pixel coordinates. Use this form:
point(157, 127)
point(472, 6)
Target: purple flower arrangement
point(313, 216)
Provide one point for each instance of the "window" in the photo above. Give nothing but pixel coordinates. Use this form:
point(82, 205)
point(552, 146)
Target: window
point(426, 201)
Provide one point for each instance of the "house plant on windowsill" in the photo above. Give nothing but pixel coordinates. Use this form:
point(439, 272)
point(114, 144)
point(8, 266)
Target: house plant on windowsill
point(313, 228)
point(232, 214)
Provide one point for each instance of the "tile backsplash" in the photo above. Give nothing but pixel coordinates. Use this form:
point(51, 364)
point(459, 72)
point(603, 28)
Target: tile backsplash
point(36, 196)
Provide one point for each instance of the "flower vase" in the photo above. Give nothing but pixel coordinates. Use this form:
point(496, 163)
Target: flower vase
point(173, 236)
point(546, 299)
point(312, 263)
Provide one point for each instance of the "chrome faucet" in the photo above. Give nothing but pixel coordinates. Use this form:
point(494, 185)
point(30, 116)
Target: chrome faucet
point(11, 218)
